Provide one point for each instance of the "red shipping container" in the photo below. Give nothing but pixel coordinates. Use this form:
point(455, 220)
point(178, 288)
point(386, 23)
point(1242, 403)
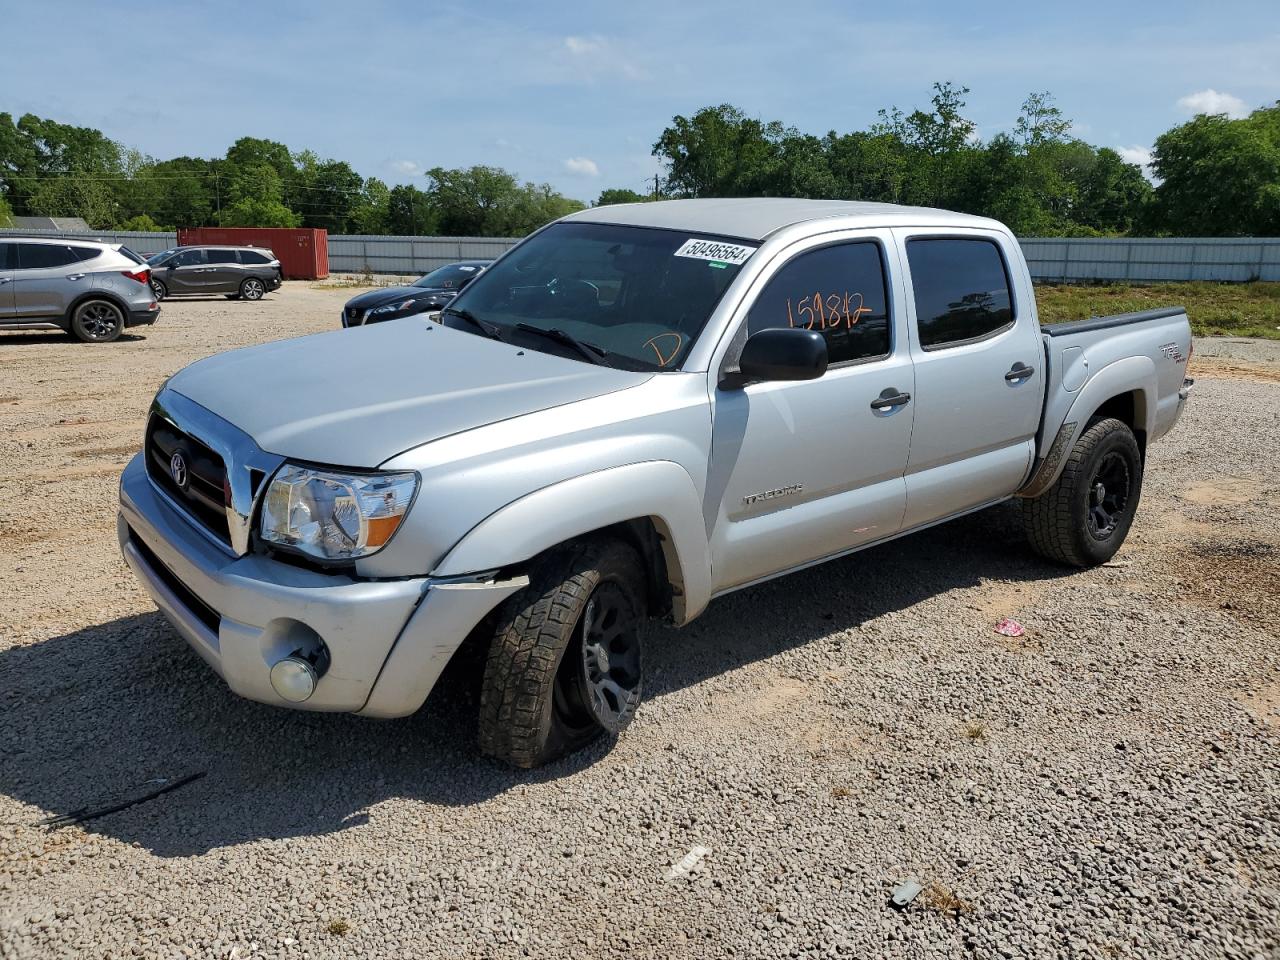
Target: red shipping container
point(303, 253)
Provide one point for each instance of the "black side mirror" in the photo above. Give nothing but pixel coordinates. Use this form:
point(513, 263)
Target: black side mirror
point(780, 353)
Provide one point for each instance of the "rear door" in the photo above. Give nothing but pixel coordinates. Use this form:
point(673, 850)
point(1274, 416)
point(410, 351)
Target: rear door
point(223, 272)
point(48, 277)
point(979, 370)
point(7, 256)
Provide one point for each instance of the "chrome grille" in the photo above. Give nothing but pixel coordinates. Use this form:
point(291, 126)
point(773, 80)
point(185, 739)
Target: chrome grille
point(199, 485)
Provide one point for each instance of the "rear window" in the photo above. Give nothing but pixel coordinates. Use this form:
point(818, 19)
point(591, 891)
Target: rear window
point(34, 256)
point(961, 290)
point(126, 252)
point(223, 256)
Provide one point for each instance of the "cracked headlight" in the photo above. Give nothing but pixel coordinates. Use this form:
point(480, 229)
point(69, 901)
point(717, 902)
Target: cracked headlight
point(334, 516)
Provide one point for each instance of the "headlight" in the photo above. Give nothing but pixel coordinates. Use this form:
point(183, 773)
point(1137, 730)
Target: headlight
point(335, 516)
point(392, 307)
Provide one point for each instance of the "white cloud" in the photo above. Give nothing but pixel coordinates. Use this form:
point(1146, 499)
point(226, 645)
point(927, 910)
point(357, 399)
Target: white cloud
point(585, 46)
point(1139, 155)
point(582, 167)
point(1211, 101)
point(406, 167)
point(596, 56)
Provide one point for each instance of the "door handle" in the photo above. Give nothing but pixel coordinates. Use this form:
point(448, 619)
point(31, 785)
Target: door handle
point(1019, 371)
point(75, 276)
point(890, 398)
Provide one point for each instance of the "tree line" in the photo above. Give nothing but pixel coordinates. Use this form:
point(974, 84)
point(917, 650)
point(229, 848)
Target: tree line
point(53, 169)
point(1214, 176)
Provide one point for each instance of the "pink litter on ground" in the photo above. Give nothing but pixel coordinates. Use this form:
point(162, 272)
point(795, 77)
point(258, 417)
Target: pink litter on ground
point(1010, 628)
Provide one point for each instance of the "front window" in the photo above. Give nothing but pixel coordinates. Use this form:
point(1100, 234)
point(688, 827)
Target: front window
point(641, 296)
point(156, 259)
point(452, 277)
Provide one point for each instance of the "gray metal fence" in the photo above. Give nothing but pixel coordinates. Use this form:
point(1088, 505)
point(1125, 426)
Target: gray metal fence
point(1146, 260)
point(407, 255)
point(1067, 260)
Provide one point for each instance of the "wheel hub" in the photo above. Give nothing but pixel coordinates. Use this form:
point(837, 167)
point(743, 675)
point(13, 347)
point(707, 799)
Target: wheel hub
point(611, 657)
point(1108, 495)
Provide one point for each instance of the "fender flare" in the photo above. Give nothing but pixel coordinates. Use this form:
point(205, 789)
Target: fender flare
point(1129, 375)
point(658, 489)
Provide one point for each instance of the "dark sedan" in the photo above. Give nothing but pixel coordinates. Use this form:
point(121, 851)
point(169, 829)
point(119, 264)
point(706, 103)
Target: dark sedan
point(426, 295)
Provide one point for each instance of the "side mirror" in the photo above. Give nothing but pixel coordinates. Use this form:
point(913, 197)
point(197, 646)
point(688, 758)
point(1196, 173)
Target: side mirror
point(780, 353)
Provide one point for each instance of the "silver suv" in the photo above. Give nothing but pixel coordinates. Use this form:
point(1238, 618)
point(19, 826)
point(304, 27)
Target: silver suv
point(240, 273)
point(92, 290)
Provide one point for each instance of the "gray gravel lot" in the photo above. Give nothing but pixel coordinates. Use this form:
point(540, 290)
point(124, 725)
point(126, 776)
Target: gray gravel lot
point(1106, 786)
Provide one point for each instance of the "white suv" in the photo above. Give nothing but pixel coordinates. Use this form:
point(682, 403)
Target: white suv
point(92, 290)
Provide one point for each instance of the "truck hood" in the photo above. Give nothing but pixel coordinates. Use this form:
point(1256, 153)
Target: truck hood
point(356, 398)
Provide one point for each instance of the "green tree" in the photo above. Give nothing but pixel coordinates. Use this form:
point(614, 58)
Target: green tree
point(1041, 122)
point(142, 222)
point(256, 193)
point(613, 195)
point(325, 192)
point(371, 214)
point(1220, 177)
point(72, 196)
point(410, 212)
point(490, 202)
point(720, 152)
point(6, 213)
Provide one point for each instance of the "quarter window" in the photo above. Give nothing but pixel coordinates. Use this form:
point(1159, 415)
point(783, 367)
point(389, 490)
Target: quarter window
point(252, 256)
point(837, 290)
point(223, 256)
point(961, 290)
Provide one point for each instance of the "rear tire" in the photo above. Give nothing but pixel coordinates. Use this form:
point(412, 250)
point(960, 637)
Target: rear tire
point(251, 288)
point(564, 664)
point(97, 321)
point(1083, 519)
point(159, 289)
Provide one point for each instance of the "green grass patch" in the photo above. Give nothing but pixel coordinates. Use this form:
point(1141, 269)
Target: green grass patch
point(1215, 309)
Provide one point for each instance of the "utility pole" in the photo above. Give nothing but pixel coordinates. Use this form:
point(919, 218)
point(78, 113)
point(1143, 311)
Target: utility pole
point(655, 186)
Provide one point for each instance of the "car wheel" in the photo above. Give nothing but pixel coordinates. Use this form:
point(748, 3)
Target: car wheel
point(159, 289)
point(252, 289)
point(1083, 519)
point(97, 321)
point(564, 664)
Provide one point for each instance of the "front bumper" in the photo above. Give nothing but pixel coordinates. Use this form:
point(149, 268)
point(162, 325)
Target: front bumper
point(388, 640)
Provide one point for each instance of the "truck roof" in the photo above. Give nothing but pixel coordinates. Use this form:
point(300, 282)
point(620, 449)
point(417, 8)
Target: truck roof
point(756, 218)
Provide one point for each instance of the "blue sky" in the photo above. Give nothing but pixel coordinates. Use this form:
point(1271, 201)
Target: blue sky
point(575, 93)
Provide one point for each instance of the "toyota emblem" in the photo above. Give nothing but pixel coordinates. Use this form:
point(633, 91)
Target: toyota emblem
point(178, 469)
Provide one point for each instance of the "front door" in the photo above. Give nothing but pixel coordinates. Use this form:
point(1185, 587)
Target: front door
point(8, 257)
point(804, 470)
point(979, 368)
point(184, 272)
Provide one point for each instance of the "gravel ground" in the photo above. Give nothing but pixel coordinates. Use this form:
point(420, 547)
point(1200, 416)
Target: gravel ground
point(1107, 785)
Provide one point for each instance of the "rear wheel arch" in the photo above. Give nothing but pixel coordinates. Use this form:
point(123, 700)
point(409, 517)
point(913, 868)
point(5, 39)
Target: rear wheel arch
point(1130, 408)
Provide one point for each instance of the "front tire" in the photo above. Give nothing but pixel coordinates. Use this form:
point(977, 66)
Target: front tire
point(97, 321)
point(1083, 519)
point(564, 664)
point(252, 289)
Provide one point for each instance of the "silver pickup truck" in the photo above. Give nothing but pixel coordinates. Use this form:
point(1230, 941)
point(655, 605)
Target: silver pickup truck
point(635, 410)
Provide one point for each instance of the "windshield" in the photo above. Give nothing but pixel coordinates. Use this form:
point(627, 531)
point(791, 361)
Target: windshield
point(640, 294)
point(450, 277)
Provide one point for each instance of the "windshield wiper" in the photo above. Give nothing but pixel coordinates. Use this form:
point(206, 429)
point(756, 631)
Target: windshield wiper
point(589, 351)
point(488, 329)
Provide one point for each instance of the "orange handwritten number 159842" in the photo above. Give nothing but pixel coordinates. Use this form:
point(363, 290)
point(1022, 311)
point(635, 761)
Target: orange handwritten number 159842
point(827, 313)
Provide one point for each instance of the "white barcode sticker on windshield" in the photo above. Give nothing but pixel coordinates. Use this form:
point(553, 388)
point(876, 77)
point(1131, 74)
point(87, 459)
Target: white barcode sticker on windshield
point(714, 250)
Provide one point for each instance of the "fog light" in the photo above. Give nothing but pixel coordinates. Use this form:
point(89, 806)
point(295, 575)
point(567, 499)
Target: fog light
point(294, 679)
